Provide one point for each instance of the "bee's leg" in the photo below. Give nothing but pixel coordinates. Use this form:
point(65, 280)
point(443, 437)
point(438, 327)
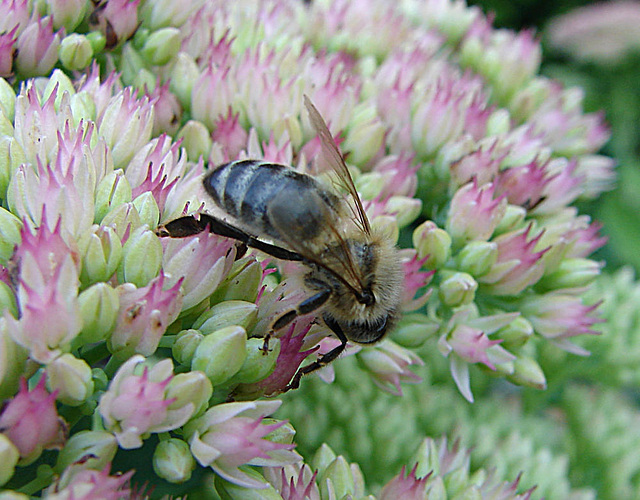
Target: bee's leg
point(189, 226)
point(325, 359)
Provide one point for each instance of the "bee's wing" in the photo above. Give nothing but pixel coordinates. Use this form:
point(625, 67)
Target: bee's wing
point(334, 157)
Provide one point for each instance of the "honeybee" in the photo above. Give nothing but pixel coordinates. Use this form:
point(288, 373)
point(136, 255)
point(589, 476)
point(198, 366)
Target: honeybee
point(354, 277)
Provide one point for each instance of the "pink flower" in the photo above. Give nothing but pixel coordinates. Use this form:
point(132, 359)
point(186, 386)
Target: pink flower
point(137, 403)
point(388, 364)
point(212, 95)
point(87, 484)
point(200, 263)
point(231, 136)
point(145, 313)
point(167, 111)
point(482, 165)
point(15, 14)
point(471, 344)
point(518, 264)
point(7, 51)
point(407, 487)
point(559, 316)
point(474, 213)
point(37, 48)
point(294, 482)
point(30, 420)
point(414, 280)
point(232, 434)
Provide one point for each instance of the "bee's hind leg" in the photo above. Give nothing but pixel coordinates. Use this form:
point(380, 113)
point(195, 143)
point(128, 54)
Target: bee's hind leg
point(324, 360)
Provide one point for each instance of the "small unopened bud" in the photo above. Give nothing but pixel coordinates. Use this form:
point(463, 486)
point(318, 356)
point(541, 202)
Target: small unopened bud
point(183, 73)
point(571, 273)
point(528, 373)
point(83, 106)
point(147, 209)
point(97, 40)
point(71, 377)
point(161, 46)
point(7, 100)
point(59, 83)
point(196, 139)
point(141, 258)
point(370, 184)
point(124, 218)
point(185, 346)
point(10, 456)
point(430, 240)
point(241, 283)
point(192, 387)
point(75, 52)
point(512, 219)
point(221, 354)
point(365, 135)
point(101, 251)
point(477, 257)
point(113, 190)
point(339, 474)
point(95, 449)
point(229, 312)
point(414, 329)
point(458, 289)
point(404, 208)
point(10, 227)
point(259, 364)
point(515, 334)
point(173, 461)
point(99, 309)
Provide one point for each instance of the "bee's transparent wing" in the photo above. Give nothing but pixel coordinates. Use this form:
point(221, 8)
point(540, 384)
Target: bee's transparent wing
point(334, 157)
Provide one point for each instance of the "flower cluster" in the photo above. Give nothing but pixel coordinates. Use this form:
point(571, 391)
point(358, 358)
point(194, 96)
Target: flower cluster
point(459, 151)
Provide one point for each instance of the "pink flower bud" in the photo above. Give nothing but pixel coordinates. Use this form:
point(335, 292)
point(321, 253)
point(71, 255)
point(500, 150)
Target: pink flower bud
point(117, 19)
point(30, 420)
point(7, 51)
point(37, 48)
point(228, 132)
point(145, 313)
point(408, 487)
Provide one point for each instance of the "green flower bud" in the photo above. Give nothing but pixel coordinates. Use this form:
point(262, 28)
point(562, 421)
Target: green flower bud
point(513, 217)
point(10, 456)
point(477, 257)
point(322, 458)
point(173, 461)
point(12, 367)
point(365, 135)
point(515, 334)
point(339, 474)
point(455, 483)
point(6, 127)
point(113, 190)
point(71, 377)
point(437, 489)
point(229, 312)
point(221, 354)
point(387, 225)
point(284, 434)
point(95, 448)
point(11, 156)
point(185, 346)
point(196, 139)
point(527, 372)
point(241, 283)
point(405, 209)
point(144, 78)
point(161, 46)
point(141, 258)
point(10, 227)
point(97, 40)
point(83, 107)
point(370, 184)
point(147, 209)
point(499, 123)
point(428, 458)
point(101, 252)
point(123, 218)
point(8, 300)
point(131, 63)
point(457, 289)
point(414, 329)
point(193, 387)
point(429, 239)
point(258, 365)
point(75, 52)
point(183, 73)
point(99, 309)
point(7, 100)
point(232, 491)
point(571, 273)
point(60, 81)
